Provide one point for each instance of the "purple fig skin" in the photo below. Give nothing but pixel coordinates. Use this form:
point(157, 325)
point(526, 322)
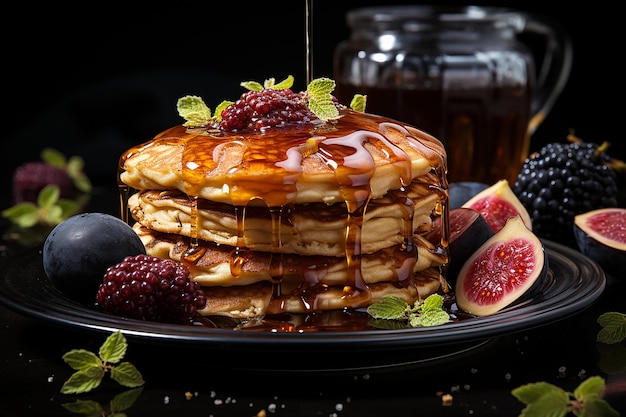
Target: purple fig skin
point(78, 251)
point(600, 236)
point(468, 231)
point(503, 271)
point(460, 192)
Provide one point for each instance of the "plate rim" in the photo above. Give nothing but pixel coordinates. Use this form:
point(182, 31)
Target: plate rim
point(589, 281)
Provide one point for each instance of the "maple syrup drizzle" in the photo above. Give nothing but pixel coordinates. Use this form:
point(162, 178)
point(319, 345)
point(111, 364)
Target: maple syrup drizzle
point(268, 169)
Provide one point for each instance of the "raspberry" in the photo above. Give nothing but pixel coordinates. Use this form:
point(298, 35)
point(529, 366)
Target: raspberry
point(31, 177)
point(260, 110)
point(149, 288)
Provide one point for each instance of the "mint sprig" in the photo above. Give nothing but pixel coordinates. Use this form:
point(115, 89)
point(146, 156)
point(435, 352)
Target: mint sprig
point(428, 313)
point(358, 103)
point(320, 99)
point(613, 327)
point(117, 405)
point(544, 399)
point(91, 368)
point(50, 210)
point(74, 167)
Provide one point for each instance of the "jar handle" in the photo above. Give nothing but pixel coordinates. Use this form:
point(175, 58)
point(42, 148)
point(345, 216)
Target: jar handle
point(554, 70)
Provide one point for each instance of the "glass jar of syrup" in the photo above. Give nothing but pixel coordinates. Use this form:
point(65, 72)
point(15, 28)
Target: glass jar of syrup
point(480, 79)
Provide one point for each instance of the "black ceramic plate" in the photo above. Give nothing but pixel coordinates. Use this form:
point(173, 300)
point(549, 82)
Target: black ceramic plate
point(573, 283)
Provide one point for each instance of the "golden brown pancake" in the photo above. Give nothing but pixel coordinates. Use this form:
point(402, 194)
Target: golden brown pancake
point(309, 229)
point(355, 157)
point(210, 263)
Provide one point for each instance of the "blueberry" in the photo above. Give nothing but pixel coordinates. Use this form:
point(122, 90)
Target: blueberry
point(461, 192)
point(78, 251)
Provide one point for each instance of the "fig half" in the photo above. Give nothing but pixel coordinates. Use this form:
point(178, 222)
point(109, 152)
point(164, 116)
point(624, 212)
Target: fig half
point(502, 270)
point(497, 204)
point(468, 231)
point(601, 235)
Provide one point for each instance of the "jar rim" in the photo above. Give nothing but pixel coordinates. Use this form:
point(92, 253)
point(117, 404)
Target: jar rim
point(417, 18)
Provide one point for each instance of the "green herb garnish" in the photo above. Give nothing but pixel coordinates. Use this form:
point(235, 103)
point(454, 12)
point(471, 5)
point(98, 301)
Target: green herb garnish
point(117, 405)
point(613, 327)
point(544, 399)
point(426, 314)
point(72, 166)
point(358, 103)
point(320, 101)
point(194, 111)
point(50, 209)
point(91, 368)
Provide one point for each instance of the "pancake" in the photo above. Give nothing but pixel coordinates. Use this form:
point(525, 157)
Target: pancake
point(322, 214)
point(210, 263)
point(312, 229)
point(330, 163)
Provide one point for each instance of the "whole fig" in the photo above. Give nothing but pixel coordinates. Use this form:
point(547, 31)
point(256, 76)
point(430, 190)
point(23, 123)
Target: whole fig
point(78, 251)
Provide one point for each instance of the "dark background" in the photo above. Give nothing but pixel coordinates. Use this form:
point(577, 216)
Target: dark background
point(94, 81)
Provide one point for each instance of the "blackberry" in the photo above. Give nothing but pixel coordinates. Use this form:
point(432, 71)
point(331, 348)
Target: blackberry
point(31, 177)
point(148, 288)
point(562, 180)
point(260, 110)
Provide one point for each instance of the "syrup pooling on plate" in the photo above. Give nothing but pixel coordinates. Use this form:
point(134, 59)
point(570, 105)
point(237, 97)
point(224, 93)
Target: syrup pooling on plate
point(263, 169)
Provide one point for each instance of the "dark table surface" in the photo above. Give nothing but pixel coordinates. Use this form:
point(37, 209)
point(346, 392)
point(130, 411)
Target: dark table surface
point(97, 102)
point(205, 381)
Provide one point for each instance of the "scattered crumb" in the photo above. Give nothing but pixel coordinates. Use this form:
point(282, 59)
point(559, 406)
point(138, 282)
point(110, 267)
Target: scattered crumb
point(446, 399)
point(188, 395)
point(261, 413)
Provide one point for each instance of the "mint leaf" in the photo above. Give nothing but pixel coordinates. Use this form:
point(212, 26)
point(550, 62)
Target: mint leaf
point(114, 348)
point(592, 386)
point(22, 214)
point(126, 374)
point(542, 400)
point(390, 307)
point(194, 111)
point(546, 400)
point(220, 108)
point(91, 368)
point(83, 380)
point(125, 400)
point(48, 196)
point(254, 85)
point(53, 157)
point(81, 359)
point(428, 313)
point(429, 318)
point(597, 407)
point(283, 85)
point(86, 408)
point(530, 393)
point(550, 405)
point(433, 302)
point(76, 172)
point(358, 103)
point(320, 99)
point(613, 327)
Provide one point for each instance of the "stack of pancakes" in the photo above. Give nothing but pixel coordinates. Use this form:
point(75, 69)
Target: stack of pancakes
point(298, 219)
